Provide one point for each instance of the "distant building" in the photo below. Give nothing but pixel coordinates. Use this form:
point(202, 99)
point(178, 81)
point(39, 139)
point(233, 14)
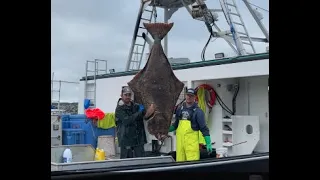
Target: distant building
point(56, 111)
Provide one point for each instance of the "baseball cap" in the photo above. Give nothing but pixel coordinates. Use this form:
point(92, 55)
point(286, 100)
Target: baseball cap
point(126, 90)
point(191, 91)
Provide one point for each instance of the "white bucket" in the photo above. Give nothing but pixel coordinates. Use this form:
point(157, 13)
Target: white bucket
point(107, 143)
point(222, 152)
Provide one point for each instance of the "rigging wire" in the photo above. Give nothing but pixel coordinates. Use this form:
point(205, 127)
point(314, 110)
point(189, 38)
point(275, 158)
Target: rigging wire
point(257, 6)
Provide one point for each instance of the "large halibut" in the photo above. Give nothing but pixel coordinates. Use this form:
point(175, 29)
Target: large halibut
point(156, 83)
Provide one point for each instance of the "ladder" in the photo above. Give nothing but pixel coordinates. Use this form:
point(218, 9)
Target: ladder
point(138, 42)
point(231, 11)
point(90, 84)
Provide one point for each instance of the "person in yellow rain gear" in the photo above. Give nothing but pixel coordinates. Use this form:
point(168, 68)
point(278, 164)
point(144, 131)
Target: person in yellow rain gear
point(190, 119)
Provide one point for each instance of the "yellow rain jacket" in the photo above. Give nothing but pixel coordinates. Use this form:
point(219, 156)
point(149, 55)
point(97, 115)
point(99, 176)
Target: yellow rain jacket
point(203, 107)
point(107, 122)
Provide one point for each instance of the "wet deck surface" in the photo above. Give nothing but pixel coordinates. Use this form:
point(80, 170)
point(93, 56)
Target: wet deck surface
point(147, 154)
point(117, 156)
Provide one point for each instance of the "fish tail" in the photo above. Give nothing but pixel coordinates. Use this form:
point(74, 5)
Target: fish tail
point(158, 30)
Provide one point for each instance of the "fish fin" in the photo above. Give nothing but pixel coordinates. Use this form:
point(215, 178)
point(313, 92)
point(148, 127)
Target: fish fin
point(158, 30)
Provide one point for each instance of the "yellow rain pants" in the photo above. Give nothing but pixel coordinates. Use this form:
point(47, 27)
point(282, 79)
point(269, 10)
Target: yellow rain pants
point(187, 148)
point(203, 106)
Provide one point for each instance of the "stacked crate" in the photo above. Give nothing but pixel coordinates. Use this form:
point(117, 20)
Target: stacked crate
point(77, 129)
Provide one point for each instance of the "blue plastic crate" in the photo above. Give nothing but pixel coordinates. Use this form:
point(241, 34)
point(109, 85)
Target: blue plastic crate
point(74, 124)
point(65, 125)
point(65, 117)
point(77, 117)
point(92, 133)
point(104, 132)
point(73, 136)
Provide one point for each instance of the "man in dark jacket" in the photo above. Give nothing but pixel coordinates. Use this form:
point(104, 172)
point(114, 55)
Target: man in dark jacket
point(130, 127)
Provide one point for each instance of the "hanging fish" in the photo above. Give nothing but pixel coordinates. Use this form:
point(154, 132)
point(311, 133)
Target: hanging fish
point(156, 83)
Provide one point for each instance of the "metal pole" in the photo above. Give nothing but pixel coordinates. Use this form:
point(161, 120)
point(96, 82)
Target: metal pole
point(52, 87)
point(165, 41)
point(248, 98)
point(263, 29)
point(230, 44)
point(95, 82)
point(106, 61)
point(187, 7)
point(106, 67)
point(70, 82)
point(96, 67)
point(59, 96)
point(86, 81)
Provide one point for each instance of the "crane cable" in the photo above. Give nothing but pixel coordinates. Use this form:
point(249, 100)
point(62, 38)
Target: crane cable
point(209, 27)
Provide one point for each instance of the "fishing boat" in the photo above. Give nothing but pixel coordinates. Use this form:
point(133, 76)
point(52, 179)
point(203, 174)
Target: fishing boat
point(238, 119)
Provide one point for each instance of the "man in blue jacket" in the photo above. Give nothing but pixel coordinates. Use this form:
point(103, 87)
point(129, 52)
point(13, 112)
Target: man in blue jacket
point(190, 120)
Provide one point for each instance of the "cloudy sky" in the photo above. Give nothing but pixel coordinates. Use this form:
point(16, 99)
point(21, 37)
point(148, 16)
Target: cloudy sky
point(102, 29)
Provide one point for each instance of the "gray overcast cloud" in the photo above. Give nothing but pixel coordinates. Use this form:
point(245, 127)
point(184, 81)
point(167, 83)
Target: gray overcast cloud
point(87, 29)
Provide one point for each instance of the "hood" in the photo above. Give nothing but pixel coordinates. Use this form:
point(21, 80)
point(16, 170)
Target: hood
point(120, 102)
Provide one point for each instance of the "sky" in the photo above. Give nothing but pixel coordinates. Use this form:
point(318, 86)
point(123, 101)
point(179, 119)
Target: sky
point(84, 30)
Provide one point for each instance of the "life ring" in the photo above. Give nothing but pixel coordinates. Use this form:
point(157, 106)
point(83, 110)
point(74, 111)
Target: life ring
point(210, 102)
